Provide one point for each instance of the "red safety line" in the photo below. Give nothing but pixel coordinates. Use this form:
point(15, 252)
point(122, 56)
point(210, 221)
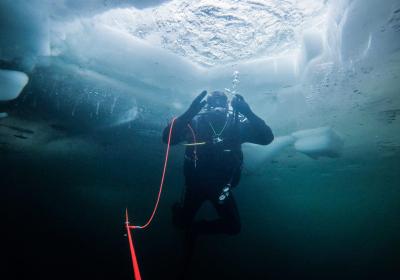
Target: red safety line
point(129, 227)
point(135, 264)
point(162, 180)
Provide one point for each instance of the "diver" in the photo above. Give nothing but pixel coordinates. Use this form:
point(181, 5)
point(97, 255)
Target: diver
point(213, 159)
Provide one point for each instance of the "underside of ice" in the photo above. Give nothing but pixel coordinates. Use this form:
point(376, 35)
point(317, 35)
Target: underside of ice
point(299, 64)
point(24, 29)
point(315, 143)
point(229, 31)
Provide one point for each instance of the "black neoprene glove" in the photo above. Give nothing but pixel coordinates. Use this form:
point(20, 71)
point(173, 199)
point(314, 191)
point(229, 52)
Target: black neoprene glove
point(182, 121)
point(197, 104)
point(240, 105)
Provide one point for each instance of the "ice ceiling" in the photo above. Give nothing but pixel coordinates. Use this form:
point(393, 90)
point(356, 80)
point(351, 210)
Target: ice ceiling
point(301, 64)
point(218, 32)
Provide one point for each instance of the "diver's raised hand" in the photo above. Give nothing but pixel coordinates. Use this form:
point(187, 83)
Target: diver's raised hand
point(240, 105)
point(197, 104)
point(181, 122)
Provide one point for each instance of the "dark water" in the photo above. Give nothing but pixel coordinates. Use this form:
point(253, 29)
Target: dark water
point(326, 219)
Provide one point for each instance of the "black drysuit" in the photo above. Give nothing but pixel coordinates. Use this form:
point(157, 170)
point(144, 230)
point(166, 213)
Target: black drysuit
point(209, 167)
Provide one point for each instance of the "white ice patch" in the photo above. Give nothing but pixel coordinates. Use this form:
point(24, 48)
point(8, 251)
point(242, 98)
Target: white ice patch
point(11, 84)
point(318, 142)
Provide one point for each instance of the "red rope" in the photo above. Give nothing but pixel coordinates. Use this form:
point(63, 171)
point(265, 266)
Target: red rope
point(135, 264)
point(128, 227)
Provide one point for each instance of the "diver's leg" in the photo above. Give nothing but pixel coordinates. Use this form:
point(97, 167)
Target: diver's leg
point(228, 221)
point(184, 213)
point(183, 216)
point(229, 214)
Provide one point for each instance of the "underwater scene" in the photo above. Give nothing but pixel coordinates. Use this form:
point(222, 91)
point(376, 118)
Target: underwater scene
point(224, 139)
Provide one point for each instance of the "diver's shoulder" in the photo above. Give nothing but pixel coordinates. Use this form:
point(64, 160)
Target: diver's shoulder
point(198, 117)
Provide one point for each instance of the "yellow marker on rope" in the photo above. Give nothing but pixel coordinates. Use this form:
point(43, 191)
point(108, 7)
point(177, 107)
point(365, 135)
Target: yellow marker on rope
point(195, 144)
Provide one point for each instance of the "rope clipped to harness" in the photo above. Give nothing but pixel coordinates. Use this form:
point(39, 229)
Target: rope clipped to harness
point(136, 270)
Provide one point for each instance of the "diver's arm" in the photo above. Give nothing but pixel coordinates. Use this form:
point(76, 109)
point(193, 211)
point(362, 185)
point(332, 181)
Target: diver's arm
point(254, 129)
point(178, 131)
point(180, 124)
